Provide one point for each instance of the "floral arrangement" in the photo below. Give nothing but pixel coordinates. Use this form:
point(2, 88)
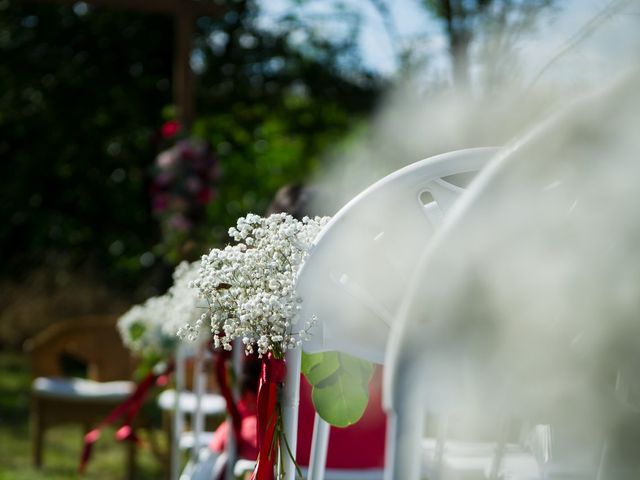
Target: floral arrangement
point(149, 329)
point(183, 184)
point(184, 305)
point(249, 286)
point(142, 331)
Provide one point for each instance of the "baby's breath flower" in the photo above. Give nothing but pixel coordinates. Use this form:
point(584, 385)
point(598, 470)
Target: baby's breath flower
point(150, 329)
point(141, 329)
point(249, 286)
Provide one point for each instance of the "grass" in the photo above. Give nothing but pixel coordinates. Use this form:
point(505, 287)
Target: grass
point(62, 444)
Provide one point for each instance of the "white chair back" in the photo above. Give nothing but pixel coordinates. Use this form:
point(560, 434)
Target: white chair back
point(354, 278)
point(356, 275)
point(518, 307)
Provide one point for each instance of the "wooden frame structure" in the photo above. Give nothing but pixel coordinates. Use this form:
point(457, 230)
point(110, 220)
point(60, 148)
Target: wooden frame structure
point(184, 13)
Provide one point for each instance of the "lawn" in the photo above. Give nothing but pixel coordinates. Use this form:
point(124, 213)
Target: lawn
point(62, 444)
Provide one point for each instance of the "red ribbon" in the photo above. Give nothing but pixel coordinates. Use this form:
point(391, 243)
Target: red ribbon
point(223, 382)
point(129, 408)
point(220, 368)
point(273, 374)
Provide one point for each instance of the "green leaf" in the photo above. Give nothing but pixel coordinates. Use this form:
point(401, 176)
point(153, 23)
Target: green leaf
point(310, 360)
point(136, 330)
point(340, 386)
point(358, 368)
point(341, 400)
point(319, 366)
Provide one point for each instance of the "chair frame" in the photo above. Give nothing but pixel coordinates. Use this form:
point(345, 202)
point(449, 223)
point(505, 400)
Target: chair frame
point(417, 178)
point(95, 341)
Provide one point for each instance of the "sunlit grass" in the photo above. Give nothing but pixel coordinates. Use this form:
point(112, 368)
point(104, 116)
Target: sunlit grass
point(62, 444)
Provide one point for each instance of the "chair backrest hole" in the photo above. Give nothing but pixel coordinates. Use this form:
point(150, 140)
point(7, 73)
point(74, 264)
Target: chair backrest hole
point(72, 366)
point(426, 197)
point(461, 180)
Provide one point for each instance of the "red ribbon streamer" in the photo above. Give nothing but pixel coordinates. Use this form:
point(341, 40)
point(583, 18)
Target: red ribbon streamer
point(129, 407)
point(220, 368)
point(223, 382)
point(273, 373)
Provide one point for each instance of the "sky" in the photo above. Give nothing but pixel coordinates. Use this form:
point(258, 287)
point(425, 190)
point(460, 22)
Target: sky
point(415, 27)
point(409, 19)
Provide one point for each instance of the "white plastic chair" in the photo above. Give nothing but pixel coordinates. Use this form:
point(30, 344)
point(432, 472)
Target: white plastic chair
point(196, 404)
point(356, 273)
point(203, 463)
point(500, 315)
point(453, 371)
point(362, 258)
point(453, 379)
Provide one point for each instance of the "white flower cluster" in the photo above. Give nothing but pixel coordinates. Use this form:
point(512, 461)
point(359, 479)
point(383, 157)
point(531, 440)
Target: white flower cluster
point(184, 305)
point(141, 328)
point(250, 286)
point(149, 329)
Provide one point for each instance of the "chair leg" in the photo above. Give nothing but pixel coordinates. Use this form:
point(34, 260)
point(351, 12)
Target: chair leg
point(38, 427)
point(166, 427)
point(131, 459)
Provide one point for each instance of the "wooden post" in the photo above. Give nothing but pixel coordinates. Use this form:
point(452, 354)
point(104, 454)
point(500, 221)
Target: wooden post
point(183, 77)
point(184, 13)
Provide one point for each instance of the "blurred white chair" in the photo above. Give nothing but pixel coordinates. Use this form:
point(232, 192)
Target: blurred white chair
point(203, 463)
point(189, 408)
point(445, 381)
point(447, 459)
point(356, 274)
point(493, 319)
point(364, 255)
point(244, 467)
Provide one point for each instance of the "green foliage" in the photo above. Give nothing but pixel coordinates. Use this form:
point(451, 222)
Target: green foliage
point(270, 111)
point(262, 149)
point(82, 94)
point(136, 331)
point(79, 97)
point(340, 384)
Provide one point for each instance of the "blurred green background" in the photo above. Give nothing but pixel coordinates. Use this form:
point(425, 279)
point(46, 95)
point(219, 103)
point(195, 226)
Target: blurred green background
point(83, 95)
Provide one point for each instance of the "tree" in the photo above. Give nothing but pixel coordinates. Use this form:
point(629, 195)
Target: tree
point(80, 95)
point(498, 23)
point(82, 92)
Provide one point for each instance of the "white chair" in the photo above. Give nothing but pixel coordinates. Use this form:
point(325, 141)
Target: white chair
point(194, 405)
point(453, 379)
point(454, 369)
point(244, 467)
point(519, 306)
point(203, 463)
point(356, 273)
point(362, 258)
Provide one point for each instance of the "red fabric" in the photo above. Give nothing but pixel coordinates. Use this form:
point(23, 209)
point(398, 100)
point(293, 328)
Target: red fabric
point(358, 446)
point(248, 437)
point(223, 381)
point(129, 409)
point(273, 374)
